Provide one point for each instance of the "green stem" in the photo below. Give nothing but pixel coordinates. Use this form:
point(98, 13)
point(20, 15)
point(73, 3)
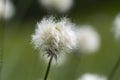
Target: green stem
point(114, 69)
point(48, 68)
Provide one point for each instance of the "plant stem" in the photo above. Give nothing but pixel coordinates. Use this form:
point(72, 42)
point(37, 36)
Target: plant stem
point(48, 68)
point(114, 69)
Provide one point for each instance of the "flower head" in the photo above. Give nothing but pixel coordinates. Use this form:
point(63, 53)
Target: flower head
point(59, 5)
point(89, 76)
point(61, 58)
point(54, 37)
point(116, 27)
point(88, 39)
point(7, 9)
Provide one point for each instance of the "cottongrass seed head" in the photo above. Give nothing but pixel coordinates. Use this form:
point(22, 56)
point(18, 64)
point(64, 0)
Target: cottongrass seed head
point(89, 76)
point(88, 39)
point(53, 37)
point(59, 5)
point(7, 9)
point(61, 59)
point(116, 27)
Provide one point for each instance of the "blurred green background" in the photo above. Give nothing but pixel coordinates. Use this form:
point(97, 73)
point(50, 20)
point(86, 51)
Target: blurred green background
point(21, 62)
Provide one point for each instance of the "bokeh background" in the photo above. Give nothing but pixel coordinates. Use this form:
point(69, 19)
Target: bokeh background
point(20, 61)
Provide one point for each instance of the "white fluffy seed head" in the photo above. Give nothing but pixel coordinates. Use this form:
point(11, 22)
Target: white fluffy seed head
point(7, 9)
point(59, 5)
point(61, 58)
point(116, 27)
point(88, 39)
point(53, 37)
point(89, 76)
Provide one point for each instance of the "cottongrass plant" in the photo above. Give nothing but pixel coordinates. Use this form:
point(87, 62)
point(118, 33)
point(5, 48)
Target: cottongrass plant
point(88, 40)
point(6, 13)
point(54, 37)
point(116, 27)
point(89, 76)
point(7, 9)
point(116, 30)
point(61, 6)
